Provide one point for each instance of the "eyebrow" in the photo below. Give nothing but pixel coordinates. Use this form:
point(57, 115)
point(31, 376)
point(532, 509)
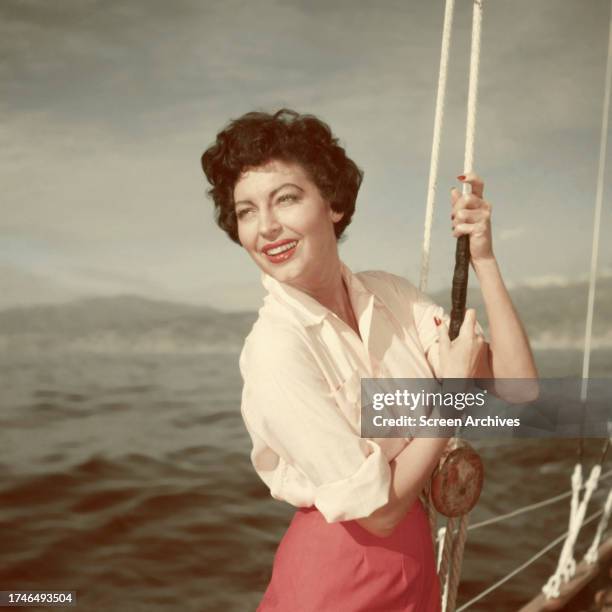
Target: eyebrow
point(272, 193)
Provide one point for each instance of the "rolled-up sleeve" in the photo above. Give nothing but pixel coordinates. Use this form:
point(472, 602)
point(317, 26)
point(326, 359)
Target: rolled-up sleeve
point(303, 447)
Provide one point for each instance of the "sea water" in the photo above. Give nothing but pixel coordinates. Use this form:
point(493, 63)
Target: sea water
point(127, 478)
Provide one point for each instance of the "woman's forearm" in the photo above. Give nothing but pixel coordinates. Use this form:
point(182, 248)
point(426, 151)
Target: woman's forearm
point(511, 355)
point(409, 473)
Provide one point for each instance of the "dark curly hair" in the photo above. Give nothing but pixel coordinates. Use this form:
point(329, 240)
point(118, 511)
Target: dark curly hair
point(257, 138)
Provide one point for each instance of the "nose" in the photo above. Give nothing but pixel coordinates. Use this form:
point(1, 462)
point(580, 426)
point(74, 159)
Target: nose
point(269, 226)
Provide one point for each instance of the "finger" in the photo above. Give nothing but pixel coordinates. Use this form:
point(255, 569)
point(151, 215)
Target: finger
point(471, 215)
point(469, 323)
point(475, 181)
point(464, 229)
point(470, 201)
point(455, 195)
point(442, 336)
point(480, 228)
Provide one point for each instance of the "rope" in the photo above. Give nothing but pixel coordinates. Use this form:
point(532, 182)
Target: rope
point(597, 218)
point(524, 565)
point(431, 190)
point(566, 566)
point(447, 549)
point(451, 545)
point(530, 507)
point(435, 149)
point(577, 485)
point(470, 131)
point(440, 542)
point(445, 543)
point(591, 555)
point(455, 570)
point(430, 510)
point(446, 553)
point(452, 581)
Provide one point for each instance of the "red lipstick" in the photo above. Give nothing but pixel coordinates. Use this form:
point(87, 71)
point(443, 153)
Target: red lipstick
point(281, 251)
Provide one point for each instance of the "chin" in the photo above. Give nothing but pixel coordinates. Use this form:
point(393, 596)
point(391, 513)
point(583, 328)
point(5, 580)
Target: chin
point(288, 272)
point(284, 276)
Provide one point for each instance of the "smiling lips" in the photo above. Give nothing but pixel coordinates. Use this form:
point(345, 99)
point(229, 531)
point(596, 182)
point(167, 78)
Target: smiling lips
point(281, 251)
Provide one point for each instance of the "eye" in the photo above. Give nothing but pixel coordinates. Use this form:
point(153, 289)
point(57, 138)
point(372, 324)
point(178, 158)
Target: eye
point(288, 198)
point(243, 212)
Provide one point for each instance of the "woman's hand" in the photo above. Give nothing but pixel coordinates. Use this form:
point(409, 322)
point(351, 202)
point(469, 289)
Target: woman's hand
point(471, 215)
point(461, 357)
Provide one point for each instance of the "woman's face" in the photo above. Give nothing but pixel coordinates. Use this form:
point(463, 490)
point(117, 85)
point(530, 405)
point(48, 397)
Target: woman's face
point(285, 224)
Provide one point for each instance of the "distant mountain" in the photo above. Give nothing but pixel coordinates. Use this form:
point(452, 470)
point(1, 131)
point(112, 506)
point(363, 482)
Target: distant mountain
point(554, 317)
point(122, 324)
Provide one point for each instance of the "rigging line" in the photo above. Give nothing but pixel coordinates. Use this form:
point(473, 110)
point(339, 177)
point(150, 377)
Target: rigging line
point(597, 217)
point(524, 509)
point(435, 147)
point(566, 564)
point(472, 102)
point(521, 567)
point(604, 452)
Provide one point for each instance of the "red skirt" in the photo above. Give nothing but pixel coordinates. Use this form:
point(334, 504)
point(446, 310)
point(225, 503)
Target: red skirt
point(341, 567)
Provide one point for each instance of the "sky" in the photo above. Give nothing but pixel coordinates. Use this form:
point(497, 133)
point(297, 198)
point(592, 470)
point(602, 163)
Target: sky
point(107, 106)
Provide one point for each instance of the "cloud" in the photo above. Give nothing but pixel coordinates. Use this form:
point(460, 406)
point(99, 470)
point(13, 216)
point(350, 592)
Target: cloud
point(108, 106)
point(547, 280)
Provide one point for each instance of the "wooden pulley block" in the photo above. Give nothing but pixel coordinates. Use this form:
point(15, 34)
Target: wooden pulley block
point(457, 481)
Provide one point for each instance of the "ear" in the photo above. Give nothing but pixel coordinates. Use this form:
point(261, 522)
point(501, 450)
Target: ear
point(335, 215)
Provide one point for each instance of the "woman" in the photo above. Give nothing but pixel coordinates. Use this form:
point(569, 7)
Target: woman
point(285, 190)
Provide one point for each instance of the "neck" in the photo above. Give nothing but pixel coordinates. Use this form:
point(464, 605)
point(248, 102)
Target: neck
point(328, 287)
point(331, 292)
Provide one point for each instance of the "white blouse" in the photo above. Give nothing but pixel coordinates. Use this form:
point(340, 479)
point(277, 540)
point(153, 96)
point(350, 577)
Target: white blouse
point(302, 368)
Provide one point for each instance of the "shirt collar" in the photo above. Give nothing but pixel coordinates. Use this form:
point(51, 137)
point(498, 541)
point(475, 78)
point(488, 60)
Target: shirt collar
point(309, 310)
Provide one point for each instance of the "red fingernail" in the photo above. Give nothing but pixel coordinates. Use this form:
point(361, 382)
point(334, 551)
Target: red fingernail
point(461, 177)
point(437, 321)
